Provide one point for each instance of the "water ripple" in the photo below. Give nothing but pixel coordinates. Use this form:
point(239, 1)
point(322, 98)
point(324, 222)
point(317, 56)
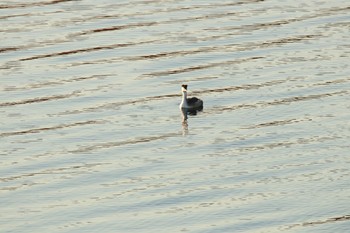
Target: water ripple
point(32, 4)
point(39, 130)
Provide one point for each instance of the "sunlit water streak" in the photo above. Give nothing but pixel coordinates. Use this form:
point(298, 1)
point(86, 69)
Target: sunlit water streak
point(92, 138)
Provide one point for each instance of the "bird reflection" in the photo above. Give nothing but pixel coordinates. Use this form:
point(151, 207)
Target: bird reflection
point(185, 113)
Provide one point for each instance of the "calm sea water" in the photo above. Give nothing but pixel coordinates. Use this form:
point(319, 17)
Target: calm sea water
point(92, 139)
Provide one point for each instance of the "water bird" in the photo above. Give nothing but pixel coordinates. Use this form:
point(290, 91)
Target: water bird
point(190, 104)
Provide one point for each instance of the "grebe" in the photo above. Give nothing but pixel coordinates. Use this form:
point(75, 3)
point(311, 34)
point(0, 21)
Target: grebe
point(190, 103)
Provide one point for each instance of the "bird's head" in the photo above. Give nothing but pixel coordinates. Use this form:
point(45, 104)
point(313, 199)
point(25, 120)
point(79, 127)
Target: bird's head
point(184, 87)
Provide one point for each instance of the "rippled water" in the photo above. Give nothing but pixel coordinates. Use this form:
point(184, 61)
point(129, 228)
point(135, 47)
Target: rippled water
point(92, 138)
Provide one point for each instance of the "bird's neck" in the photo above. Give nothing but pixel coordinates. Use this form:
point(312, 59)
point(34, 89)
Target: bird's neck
point(184, 99)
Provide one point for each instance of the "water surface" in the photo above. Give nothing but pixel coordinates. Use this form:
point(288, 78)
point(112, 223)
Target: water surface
point(92, 138)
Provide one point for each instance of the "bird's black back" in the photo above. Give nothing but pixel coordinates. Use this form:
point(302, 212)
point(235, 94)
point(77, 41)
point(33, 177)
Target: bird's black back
point(192, 100)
